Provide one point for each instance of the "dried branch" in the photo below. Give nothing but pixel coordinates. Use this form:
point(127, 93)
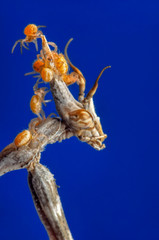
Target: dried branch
point(49, 131)
point(41, 182)
point(47, 202)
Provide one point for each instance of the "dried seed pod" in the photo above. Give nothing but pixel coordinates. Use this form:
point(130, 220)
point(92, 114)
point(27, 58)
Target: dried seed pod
point(47, 202)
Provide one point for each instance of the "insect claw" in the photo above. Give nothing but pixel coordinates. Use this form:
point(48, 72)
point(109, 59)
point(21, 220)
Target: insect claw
point(21, 47)
point(40, 26)
point(37, 76)
point(36, 44)
point(45, 88)
point(47, 91)
point(35, 87)
point(44, 94)
point(38, 114)
point(42, 114)
point(94, 88)
point(41, 81)
point(29, 73)
point(23, 44)
point(46, 101)
point(53, 45)
point(53, 114)
point(15, 44)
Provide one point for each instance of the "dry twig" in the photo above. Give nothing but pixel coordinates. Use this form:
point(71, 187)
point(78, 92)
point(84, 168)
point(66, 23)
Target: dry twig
point(41, 181)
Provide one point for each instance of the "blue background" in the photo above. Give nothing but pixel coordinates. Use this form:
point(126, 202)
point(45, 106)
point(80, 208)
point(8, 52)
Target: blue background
point(114, 193)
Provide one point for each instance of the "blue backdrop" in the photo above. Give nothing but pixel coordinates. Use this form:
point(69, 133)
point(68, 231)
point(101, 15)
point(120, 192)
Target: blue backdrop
point(114, 193)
